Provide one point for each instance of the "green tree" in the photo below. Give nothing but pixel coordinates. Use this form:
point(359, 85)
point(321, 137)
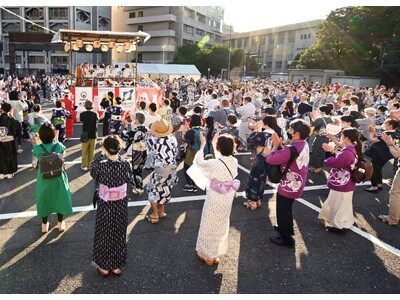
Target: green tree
point(218, 58)
point(237, 58)
point(187, 54)
point(355, 39)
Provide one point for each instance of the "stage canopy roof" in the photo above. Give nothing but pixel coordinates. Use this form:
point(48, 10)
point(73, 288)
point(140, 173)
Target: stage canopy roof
point(168, 69)
point(67, 35)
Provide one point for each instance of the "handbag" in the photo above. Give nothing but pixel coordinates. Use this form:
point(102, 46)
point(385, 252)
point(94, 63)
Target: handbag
point(84, 136)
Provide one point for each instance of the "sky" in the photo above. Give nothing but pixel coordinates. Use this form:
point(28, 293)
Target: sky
point(243, 15)
point(246, 17)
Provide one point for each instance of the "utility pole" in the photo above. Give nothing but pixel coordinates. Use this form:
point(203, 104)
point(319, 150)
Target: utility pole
point(258, 59)
point(229, 54)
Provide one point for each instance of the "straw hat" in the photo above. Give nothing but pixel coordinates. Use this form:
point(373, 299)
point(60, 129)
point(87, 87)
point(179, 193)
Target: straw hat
point(161, 128)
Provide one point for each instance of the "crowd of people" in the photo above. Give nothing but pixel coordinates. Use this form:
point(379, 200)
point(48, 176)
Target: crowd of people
point(329, 127)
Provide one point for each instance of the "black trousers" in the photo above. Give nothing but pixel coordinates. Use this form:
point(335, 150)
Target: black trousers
point(285, 218)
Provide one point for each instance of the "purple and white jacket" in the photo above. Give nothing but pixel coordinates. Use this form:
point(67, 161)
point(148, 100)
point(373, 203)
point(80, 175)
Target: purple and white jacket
point(292, 185)
point(341, 165)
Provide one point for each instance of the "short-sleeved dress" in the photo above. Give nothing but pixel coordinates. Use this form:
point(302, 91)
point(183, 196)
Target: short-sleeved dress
point(52, 194)
point(109, 246)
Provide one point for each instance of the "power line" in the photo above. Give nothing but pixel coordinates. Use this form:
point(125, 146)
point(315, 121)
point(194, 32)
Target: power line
point(26, 20)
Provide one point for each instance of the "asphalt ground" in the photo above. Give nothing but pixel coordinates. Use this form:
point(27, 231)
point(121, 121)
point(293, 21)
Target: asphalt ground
point(162, 257)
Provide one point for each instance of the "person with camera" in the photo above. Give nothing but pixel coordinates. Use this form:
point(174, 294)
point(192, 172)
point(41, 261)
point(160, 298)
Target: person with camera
point(246, 111)
point(257, 141)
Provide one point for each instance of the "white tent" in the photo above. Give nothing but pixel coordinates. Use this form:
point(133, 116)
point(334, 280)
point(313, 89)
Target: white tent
point(165, 70)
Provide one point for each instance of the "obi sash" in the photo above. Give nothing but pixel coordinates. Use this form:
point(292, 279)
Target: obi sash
point(112, 194)
point(224, 187)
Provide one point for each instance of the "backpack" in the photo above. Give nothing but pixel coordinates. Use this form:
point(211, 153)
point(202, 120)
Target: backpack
point(51, 164)
point(274, 172)
point(362, 171)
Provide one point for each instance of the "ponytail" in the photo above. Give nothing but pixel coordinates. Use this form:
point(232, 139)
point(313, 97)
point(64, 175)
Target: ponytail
point(360, 154)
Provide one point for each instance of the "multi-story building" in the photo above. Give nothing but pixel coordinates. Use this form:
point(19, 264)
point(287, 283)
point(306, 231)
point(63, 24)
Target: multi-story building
point(28, 57)
point(275, 48)
point(170, 27)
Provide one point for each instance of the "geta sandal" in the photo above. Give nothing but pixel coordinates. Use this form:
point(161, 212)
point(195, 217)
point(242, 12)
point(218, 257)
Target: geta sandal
point(162, 216)
point(386, 219)
point(208, 261)
point(116, 272)
point(103, 272)
point(151, 219)
point(253, 205)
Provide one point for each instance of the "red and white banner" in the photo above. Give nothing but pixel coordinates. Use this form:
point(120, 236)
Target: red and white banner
point(130, 97)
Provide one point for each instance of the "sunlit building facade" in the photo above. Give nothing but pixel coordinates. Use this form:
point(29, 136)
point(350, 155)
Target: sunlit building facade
point(275, 48)
point(170, 27)
point(28, 57)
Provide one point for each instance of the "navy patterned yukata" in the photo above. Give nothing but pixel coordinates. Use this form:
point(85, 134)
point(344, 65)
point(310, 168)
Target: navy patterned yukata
point(109, 246)
point(162, 154)
point(115, 122)
point(58, 119)
point(136, 135)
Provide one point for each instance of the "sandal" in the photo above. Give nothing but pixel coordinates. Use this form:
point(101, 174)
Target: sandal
point(253, 205)
point(386, 219)
point(116, 272)
point(151, 219)
point(103, 272)
point(161, 216)
point(208, 261)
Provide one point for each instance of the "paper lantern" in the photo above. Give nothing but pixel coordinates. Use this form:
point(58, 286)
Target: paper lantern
point(111, 44)
point(104, 48)
point(96, 44)
point(79, 43)
point(75, 47)
point(120, 48)
point(89, 48)
point(67, 47)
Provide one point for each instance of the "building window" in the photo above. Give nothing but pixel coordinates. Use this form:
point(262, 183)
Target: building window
point(104, 23)
point(82, 16)
point(309, 35)
point(18, 59)
point(140, 57)
point(278, 64)
point(34, 13)
point(200, 32)
point(58, 13)
point(140, 28)
point(140, 14)
point(7, 16)
point(187, 42)
point(189, 13)
point(201, 18)
point(188, 29)
point(269, 64)
point(55, 26)
point(11, 27)
point(59, 59)
point(33, 28)
point(292, 37)
point(132, 15)
point(36, 59)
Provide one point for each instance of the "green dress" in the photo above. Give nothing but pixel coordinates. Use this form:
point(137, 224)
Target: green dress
point(52, 194)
